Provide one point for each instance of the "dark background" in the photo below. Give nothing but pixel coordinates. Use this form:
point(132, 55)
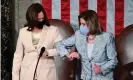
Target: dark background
point(7, 33)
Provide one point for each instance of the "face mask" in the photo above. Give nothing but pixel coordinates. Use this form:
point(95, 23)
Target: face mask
point(84, 30)
point(40, 24)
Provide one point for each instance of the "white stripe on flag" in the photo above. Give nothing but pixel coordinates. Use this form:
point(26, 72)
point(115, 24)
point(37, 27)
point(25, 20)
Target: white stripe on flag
point(56, 9)
point(37, 1)
point(92, 4)
point(74, 12)
point(110, 26)
point(128, 12)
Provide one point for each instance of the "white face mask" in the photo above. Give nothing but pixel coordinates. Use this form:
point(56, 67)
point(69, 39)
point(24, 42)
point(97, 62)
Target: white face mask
point(84, 30)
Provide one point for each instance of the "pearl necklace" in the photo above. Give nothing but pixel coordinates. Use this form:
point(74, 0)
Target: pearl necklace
point(91, 38)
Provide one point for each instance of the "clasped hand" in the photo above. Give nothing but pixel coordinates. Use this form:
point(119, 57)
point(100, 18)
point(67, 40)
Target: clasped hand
point(45, 54)
point(72, 55)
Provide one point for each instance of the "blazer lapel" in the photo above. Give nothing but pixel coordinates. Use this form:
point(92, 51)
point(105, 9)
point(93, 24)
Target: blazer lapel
point(43, 36)
point(29, 39)
point(97, 43)
point(83, 44)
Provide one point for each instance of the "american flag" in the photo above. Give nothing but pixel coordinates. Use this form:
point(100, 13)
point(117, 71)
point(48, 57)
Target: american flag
point(114, 15)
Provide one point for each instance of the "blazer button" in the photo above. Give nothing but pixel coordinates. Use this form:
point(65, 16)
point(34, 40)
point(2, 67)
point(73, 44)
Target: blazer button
point(35, 47)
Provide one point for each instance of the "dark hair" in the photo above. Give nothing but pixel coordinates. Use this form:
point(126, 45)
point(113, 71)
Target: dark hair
point(32, 16)
point(92, 21)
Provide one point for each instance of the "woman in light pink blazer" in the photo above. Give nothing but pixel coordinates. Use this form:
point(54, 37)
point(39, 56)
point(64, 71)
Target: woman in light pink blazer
point(36, 34)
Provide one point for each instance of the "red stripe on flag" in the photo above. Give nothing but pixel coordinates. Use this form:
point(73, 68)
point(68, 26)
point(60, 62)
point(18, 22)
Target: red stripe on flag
point(83, 5)
point(47, 5)
point(119, 16)
point(102, 13)
point(65, 10)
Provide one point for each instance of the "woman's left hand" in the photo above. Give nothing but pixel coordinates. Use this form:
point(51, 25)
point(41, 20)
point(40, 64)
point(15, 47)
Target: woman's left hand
point(45, 54)
point(97, 69)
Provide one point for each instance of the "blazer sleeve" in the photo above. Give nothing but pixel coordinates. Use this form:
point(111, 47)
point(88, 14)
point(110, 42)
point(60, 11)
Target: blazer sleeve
point(111, 54)
point(62, 45)
point(58, 37)
point(18, 55)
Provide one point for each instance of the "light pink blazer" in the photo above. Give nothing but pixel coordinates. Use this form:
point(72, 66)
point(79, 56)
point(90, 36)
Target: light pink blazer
point(25, 56)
